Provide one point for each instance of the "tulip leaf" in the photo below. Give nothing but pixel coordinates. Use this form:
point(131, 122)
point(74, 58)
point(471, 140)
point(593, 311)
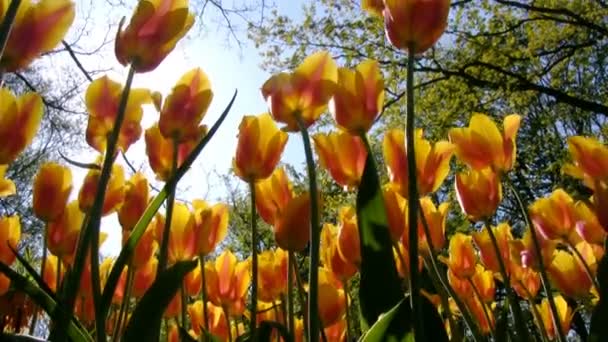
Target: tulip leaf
point(33, 273)
point(598, 330)
point(144, 324)
point(43, 300)
point(380, 288)
point(397, 324)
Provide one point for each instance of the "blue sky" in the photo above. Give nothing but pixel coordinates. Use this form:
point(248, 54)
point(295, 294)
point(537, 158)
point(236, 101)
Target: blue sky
point(227, 67)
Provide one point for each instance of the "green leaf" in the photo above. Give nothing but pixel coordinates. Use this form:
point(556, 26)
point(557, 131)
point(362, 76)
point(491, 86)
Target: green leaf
point(144, 324)
point(33, 273)
point(598, 330)
point(379, 289)
point(502, 324)
point(43, 300)
point(397, 324)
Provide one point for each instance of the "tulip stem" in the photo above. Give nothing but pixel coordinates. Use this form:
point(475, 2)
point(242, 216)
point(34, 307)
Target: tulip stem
point(315, 234)
point(346, 303)
point(184, 301)
point(443, 296)
point(290, 281)
point(164, 246)
point(124, 305)
point(228, 324)
point(535, 313)
point(585, 264)
point(539, 257)
point(514, 306)
point(90, 234)
point(201, 258)
point(6, 27)
point(413, 198)
point(254, 263)
point(484, 307)
point(466, 314)
point(301, 296)
point(42, 267)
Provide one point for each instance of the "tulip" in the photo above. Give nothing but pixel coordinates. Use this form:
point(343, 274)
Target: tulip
point(479, 311)
point(193, 281)
point(588, 225)
point(144, 277)
point(186, 106)
point(210, 226)
point(336, 332)
point(7, 187)
point(52, 187)
point(273, 195)
point(216, 317)
point(38, 27)
point(272, 275)
point(590, 159)
point(359, 97)
point(487, 252)
point(348, 236)
point(524, 280)
point(374, 7)
point(174, 308)
point(330, 256)
point(102, 99)
point(292, 228)
point(160, 151)
point(332, 304)
point(462, 258)
point(259, 148)
point(396, 211)
point(436, 218)
point(19, 121)
point(461, 286)
point(10, 234)
point(304, 93)
point(343, 155)
point(565, 314)
point(62, 234)
point(115, 192)
point(432, 162)
point(182, 238)
point(483, 280)
point(50, 272)
point(523, 253)
point(146, 246)
point(554, 216)
point(568, 274)
point(155, 28)
point(228, 281)
point(135, 201)
point(479, 193)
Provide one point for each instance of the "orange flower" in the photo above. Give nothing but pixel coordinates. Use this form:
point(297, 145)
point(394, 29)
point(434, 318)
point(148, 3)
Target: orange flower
point(50, 271)
point(7, 187)
point(52, 187)
point(565, 315)
point(272, 275)
point(305, 92)
point(432, 162)
point(484, 283)
point(216, 318)
point(144, 277)
point(554, 216)
point(5, 284)
point(102, 100)
point(435, 218)
point(359, 97)
point(273, 195)
point(174, 308)
point(343, 155)
point(374, 7)
point(182, 238)
point(590, 159)
point(348, 236)
point(19, 122)
point(155, 28)
point(588, 225)
point(38, 28)
point(186, 106)
point(228, 281)
point(478, 310)
point(523, 253)
point(210, 225)
point(502, 232)
point(135, 202)
point(62, 234)
point(416, 24)
point(115, 192)
point(160, 150)
point(332, 305)
point(568, 274)
point(259, 147)
point(336, 332)
point(193, 281)
point(524, 280)
point(330, 256)
point(10, 234)
point(146, 246)
point(482, 145)
point(479, 193)
point(461, 286)
point(462, 259)
point(292, 228)
point(396, 211)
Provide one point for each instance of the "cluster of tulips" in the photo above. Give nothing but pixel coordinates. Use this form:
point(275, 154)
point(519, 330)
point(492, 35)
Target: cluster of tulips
point(169, 269)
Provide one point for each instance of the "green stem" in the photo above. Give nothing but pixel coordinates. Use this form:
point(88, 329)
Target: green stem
point(184, 317)
point(346, 303)
point(585, 265)
point(204, 292)
point(7, 24)
point(275, 309)
point(42, 268)
point(228, 324)
point(413, 200)
point(456, 333)
point(124, 306)
point(515, 308)
point(254, 262)
point(484, 307)
point(290, 282)
point(315, 235)
point(301, 296)
point(164, 247)
point(537, 316)
point(90, 235)
point(541, 267)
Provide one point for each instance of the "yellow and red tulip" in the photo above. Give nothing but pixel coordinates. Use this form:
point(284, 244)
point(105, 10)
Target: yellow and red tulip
point(565, 314)
point(589, 159)
point(182, 243)
point(52, 187)
point(144, 277)
point(62, 234)
point(155, 28)
point(348, 236)
point(568, 274)
point(228, 281)
point(273, 195)
point(210, 225)
point(588, 225)
point(146, 246)
point(396, 211)
point(38, 27)
point(359, 97)
point(332, 304)
point(272, 275)
point(343, 155)
point(479, 192)
point(554, 216)
point(482, 145)
point(259, 148)
point(115, 192)
point(292, 227)
point(7, 186)
point(135, 201)
point(487, 253)
point(302, 93)
point(19, 121)
point(186, 106)
point(330, 256)
point(10, 234)
point(462, 259)
point(216, 318)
